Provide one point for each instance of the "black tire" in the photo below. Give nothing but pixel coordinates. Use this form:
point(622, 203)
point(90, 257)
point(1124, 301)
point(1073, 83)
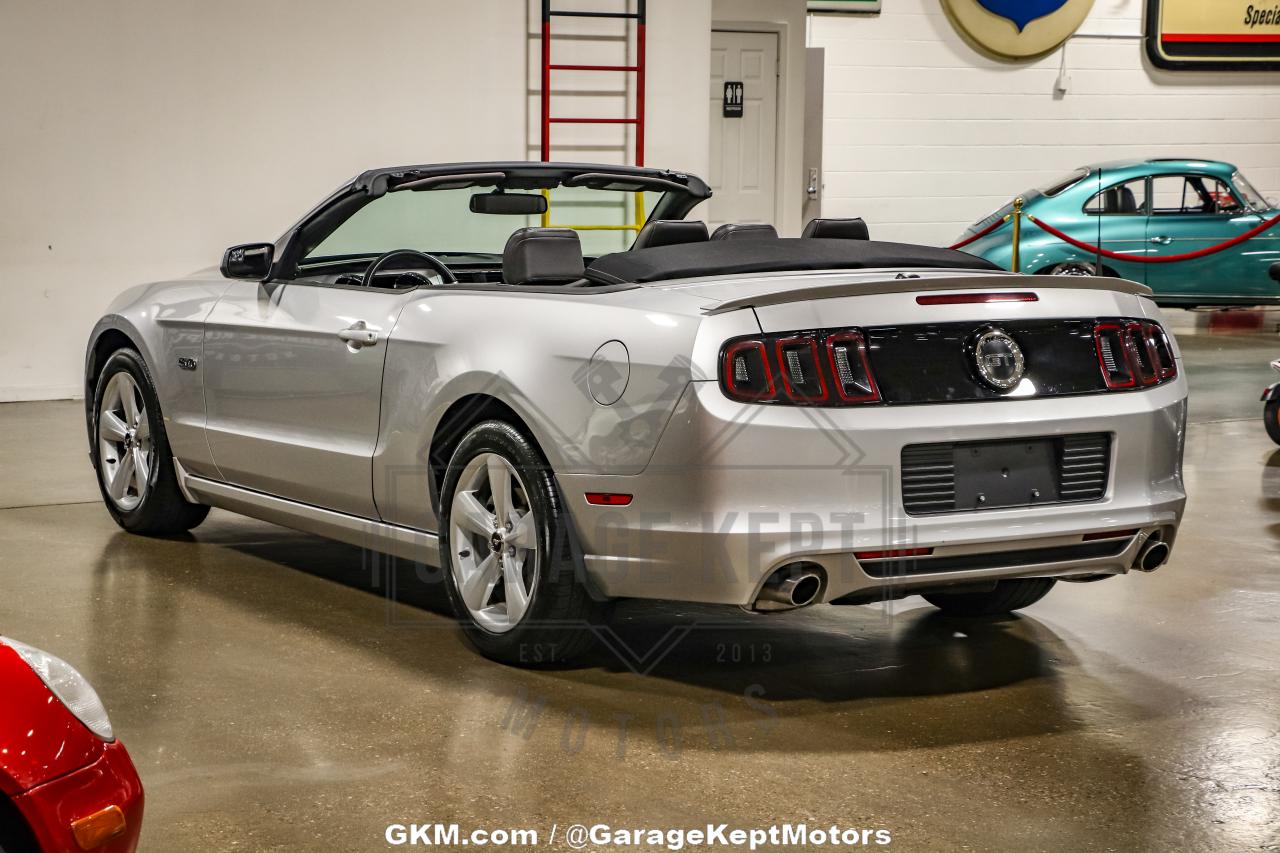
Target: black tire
point(556, 626)
point(163, 510)
point(15, 835)
point(1008, 596)
point(1271, 417)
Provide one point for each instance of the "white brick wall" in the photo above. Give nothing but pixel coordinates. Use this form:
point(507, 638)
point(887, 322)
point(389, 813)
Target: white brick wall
point(924, 135)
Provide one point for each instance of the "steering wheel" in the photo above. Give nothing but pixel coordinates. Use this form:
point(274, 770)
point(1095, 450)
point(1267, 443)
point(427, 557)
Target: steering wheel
point(432, 261)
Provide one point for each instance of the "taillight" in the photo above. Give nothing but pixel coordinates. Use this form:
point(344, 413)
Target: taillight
point(847, 357)
point(1133, 353)
point(823, 368)
point(745, 372)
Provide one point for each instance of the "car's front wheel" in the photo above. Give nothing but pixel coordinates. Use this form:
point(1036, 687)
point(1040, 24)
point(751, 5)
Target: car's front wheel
point(1271, 416)
point(1008, 596)
point(512, 579)
point(131, 452)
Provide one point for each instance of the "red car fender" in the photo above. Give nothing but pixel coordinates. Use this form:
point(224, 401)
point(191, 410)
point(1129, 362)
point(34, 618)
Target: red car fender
point(40, 739)
point(53, 810)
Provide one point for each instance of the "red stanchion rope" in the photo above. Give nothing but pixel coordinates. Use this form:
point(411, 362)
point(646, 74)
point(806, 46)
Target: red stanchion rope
point(984, 232)
point(1158, 259)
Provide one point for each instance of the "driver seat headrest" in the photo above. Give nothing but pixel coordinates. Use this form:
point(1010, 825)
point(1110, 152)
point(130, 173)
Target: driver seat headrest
point(670, 232)
point(542, 256)
point(837, 229)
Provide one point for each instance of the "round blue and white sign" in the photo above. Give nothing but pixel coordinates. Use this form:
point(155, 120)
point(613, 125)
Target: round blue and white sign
point(1018, 28)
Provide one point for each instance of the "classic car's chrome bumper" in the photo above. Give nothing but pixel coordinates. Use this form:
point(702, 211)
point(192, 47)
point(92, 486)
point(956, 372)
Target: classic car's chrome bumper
point(736, 491)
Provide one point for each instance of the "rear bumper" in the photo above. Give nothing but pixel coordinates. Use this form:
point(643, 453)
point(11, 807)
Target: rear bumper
point(735, 491)
point(51, 809)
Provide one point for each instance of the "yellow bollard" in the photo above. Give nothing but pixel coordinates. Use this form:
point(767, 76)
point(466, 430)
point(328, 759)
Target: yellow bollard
point(1017, 232)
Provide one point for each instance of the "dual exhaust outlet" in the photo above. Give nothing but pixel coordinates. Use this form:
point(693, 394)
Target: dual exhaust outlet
point(799, 584)
point(1152, 556)
point(794, 585)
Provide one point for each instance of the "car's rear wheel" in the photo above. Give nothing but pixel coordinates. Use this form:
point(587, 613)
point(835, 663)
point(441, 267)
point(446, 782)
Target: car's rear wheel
point(512, 579)
point(131, 454)
point(1079, 268)
point(1271, 416)
point(1008, 596)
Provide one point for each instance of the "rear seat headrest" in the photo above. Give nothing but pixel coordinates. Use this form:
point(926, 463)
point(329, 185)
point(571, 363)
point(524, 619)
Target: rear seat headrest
point(670, 232)
point(755, 231)
point(837, 229)
point(542, 256)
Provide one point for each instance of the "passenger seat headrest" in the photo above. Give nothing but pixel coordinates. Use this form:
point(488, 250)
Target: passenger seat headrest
point(542, 256)
point(837, 229)
point(756, 231)
point(670, 232)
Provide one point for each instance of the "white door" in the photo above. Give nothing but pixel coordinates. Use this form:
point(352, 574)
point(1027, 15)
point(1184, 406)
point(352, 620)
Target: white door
point(744, 149)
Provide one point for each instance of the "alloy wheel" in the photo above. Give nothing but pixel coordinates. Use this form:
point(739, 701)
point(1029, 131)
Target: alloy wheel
point(125, 452)
point(493, 538)
point(1074, 268)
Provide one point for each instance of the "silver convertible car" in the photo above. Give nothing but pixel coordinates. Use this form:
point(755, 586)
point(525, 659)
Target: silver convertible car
point(427, 365)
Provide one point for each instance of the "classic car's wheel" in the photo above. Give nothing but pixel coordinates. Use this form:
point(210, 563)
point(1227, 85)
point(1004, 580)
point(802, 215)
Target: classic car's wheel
point(1009, 595)
point(1074, 268)
point(1271, 415)
point(131, 452)
point(511, 575)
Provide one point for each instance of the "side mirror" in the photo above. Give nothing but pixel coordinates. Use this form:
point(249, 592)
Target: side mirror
point(250, 261)
point(1275, 271)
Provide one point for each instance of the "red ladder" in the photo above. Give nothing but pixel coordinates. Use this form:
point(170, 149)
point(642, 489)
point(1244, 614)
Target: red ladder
point(637, 120)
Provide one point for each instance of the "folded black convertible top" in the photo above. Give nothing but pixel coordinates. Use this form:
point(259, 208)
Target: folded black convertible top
point(741, 257)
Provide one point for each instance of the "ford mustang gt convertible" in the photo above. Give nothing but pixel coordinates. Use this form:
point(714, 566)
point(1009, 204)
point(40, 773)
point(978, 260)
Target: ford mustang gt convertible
point(1147, 213)
point(428, 365)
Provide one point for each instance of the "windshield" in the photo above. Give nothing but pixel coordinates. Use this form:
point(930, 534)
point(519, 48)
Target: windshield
point(441, 222)
point(1067, 181)
point(1251, 196)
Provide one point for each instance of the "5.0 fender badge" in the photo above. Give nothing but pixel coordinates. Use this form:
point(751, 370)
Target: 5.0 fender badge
point(187, 363)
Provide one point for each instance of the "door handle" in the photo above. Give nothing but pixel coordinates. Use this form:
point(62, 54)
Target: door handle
point(358, 335)
point(1163, 241)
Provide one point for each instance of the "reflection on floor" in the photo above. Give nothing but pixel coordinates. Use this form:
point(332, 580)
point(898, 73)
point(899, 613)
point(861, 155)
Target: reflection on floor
point(282, 692)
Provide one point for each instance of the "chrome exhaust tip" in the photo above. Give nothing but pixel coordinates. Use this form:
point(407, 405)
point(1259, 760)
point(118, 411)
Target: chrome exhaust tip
point(1152, 556)
point(794, 585)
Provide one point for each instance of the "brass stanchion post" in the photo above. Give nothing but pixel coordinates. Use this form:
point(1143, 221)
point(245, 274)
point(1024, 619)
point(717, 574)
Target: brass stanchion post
point(1017, 233)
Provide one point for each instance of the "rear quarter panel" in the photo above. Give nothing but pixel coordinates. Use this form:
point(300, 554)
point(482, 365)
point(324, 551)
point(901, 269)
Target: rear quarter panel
point(533, 352)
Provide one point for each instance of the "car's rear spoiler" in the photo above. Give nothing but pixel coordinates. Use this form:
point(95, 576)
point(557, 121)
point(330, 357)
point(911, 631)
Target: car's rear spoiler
point(908, 284)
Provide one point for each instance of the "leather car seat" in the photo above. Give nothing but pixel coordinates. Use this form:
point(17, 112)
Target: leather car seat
point(754, 231)
point(837, 229)
point(546, 256)
point(670, 232)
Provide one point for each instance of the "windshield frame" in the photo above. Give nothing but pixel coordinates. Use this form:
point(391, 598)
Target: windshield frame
point(1248, 193)
point(681, 192)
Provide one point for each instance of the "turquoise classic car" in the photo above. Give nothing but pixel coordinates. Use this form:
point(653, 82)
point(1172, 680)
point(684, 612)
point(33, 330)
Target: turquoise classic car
point(1147, 209)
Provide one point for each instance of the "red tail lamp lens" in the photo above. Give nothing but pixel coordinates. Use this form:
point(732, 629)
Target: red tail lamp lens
point(1133, 353)
point(1109, 534)
point(746, 372)
point(802, 376)
point(824, 367)
point(850, 368)
point(1114, 355)
point(892, 553)
point(608, 499)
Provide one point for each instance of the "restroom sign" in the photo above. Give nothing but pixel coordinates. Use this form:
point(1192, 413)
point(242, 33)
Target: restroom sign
point(733, 90)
